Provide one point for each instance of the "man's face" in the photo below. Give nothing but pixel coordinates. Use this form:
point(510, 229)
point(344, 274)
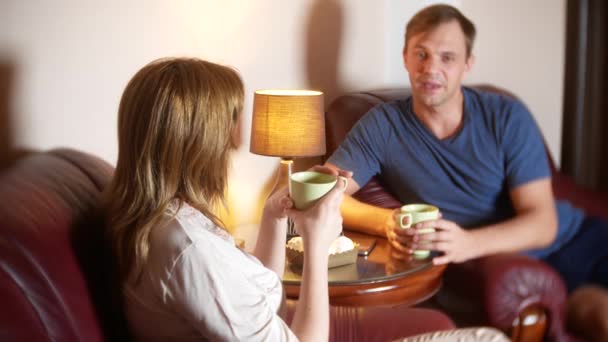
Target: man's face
point(437, 63)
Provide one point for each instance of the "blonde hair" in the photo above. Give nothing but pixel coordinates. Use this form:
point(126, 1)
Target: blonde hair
point(175, 126)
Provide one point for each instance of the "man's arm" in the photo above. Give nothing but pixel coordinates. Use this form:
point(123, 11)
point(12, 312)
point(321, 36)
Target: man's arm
point(361, 216)
point(534, 226)
point(366, 218)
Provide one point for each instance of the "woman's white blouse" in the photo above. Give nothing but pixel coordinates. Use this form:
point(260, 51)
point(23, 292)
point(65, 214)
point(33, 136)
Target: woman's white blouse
point(198, 286)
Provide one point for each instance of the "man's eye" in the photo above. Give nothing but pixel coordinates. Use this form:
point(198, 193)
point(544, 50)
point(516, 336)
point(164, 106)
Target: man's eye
point(421, 55)
point(447, 58)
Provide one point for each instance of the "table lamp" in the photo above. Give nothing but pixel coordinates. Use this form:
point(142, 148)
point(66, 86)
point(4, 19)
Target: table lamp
point(287, 124)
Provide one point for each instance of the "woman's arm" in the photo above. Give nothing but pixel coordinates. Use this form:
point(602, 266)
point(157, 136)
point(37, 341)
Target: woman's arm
point(318, 226)
point(311, 319)
point(270, 246)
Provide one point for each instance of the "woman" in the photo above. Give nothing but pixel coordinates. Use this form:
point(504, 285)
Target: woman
point(182, 276)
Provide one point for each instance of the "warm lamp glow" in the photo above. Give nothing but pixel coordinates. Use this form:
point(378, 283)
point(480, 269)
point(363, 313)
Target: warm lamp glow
point(288, 123)
point(289, 92)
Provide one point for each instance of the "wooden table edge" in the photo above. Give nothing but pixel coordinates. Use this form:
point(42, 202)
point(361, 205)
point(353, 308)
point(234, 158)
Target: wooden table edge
point(409, 289)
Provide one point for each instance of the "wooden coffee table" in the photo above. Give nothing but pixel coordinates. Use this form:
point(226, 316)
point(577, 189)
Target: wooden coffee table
point(377, 279)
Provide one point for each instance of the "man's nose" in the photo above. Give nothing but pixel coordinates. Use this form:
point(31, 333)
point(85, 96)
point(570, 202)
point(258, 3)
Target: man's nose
point(430, 65)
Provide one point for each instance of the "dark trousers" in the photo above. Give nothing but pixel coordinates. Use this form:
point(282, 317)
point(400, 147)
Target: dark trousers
point(584, 259)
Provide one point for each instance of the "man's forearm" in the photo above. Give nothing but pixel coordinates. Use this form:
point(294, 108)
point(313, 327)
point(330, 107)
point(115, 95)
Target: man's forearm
point(360, 216)
point(526, 231)
point(534, 226)
point(364, 217)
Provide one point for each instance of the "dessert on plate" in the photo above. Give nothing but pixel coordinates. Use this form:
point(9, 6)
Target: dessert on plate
point(342, 251)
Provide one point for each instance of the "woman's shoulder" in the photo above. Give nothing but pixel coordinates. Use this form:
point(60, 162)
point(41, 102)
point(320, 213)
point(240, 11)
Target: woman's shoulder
point(184, 227)
point(196, 225)
point(168, 240)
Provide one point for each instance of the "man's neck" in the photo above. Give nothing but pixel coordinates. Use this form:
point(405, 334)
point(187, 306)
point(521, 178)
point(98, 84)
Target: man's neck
point(444, 120)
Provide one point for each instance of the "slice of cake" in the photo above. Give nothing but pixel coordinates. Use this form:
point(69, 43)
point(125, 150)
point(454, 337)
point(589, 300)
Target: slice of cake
point(342, 251)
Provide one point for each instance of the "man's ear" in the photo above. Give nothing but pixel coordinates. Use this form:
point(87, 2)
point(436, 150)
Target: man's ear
point(469, 63)
point(403, 55)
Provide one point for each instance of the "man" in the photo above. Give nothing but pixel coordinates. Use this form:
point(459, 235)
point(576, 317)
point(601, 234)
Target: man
point(479, 157)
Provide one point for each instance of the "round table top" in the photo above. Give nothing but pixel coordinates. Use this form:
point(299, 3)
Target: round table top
point(378, 279)
point(377, 267)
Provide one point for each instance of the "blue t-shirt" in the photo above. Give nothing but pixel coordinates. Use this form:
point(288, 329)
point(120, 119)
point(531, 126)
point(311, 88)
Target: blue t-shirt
point(469, 175)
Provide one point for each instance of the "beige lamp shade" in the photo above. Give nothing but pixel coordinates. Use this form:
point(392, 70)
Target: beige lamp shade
point(288, 123)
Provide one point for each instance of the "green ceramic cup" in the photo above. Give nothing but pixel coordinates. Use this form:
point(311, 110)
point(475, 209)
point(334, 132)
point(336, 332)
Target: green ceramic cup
point(418, 213)
point(307, 187)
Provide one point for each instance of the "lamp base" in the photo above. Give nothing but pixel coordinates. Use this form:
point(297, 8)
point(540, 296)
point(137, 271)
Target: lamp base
point(291, 230)
point(283, 180)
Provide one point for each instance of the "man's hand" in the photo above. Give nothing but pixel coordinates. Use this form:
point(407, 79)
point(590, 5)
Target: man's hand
point(333, 170)
point(399, 238)
point(458, 245)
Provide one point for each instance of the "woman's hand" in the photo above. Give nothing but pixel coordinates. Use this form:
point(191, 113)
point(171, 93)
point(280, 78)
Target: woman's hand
point(320, 224)
point(277, 204)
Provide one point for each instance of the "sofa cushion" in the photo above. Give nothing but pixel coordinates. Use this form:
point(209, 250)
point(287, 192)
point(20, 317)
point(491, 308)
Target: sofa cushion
point(48, 203)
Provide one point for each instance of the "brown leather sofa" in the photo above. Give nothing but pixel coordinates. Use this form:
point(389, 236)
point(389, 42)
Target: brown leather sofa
point(56, 279)
point(55, 283)
point(514, 293)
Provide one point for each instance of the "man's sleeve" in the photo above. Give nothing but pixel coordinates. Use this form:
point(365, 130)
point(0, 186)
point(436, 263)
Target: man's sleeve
point(363, 148)
point(524, 148)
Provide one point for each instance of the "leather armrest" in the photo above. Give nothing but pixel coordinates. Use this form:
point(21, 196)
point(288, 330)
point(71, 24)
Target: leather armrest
point(503, 285)
point(595, 203)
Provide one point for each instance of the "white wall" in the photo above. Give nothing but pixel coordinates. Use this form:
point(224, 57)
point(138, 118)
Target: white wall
point(521, 47)
point(71, 60)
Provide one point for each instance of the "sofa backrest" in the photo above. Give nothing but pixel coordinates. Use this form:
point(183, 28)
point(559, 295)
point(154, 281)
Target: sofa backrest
point(55, 278)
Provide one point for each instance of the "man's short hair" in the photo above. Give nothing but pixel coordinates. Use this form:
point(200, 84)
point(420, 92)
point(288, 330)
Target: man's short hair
point(432, 16)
